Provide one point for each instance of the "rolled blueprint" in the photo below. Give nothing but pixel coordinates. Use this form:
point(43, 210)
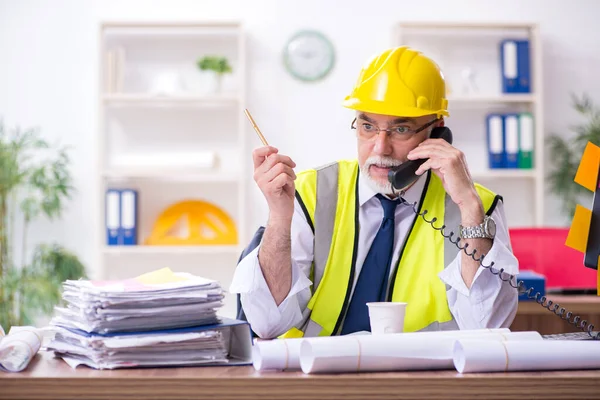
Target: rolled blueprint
point(394, 352)
point(18, 348)
point(284, 354)
point(474, 355)
point(278, 354)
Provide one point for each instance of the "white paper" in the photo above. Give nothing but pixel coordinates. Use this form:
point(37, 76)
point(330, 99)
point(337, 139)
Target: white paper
point(471, 355)
point(158, 300)
point(18, 348)
point(393, 352)
point(284, 354)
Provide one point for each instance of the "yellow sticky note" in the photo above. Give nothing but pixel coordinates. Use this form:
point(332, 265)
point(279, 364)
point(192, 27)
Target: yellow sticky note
point(580, 229)
point(587, 173)
point(164, 275)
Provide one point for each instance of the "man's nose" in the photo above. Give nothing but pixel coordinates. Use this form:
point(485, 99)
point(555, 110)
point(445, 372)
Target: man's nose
point(383, 144)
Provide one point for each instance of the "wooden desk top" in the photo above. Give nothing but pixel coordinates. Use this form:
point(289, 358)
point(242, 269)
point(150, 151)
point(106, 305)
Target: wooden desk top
point(579, 304)
point(47, 377)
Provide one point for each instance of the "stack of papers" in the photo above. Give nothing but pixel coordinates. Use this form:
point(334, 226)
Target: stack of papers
point(158, 319)
point(157, 300)
point(176, 347)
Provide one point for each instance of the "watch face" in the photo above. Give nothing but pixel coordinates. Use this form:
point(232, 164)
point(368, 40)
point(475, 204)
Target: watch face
point(309, 56)
point(490, 227)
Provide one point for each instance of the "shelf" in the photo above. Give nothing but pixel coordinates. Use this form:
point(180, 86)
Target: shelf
point(172, 250)
point(502, 98)
point(505, 173)
point(466, 25)
point(144, 30)
point(172, 175)
point(149, 100)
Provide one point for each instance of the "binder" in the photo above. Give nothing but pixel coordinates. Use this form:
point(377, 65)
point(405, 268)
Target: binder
point(511, 140)
point(129, 217)
point(495, 141)
point(113, 217)
point(526, 135)
point(515, 66)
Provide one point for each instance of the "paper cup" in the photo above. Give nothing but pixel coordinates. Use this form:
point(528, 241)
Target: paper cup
point(386, 317)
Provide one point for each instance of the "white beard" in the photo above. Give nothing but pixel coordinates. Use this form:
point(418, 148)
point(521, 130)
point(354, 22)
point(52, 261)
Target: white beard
point(379, 187)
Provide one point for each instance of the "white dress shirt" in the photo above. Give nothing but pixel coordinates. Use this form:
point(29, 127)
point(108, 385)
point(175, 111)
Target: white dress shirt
point(489, 303)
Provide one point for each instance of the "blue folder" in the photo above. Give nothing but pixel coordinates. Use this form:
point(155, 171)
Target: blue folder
point(129, 217)
point(495, 141)
point(515, 66)
point(511, 140)
point(113, 217)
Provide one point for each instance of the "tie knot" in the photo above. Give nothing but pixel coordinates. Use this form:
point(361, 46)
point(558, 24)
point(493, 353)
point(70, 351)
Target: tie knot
point(389, 206)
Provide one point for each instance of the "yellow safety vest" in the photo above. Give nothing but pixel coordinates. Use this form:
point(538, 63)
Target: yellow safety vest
point(329, 198)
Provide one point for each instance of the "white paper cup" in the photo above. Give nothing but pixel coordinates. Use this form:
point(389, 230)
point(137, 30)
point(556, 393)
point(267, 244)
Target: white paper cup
point(386, 317)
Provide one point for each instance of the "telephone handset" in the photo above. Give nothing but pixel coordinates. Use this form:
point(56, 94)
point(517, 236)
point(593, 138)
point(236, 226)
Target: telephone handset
point(402, 176)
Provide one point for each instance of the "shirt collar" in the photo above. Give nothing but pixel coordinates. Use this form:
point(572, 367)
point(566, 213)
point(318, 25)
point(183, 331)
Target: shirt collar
point(412, 195)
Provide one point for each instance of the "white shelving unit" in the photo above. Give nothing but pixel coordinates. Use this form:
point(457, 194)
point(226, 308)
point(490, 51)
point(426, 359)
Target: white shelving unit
point(469, 49)
point(156, 105)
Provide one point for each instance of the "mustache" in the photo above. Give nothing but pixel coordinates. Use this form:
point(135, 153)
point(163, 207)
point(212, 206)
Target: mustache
point(382, 161)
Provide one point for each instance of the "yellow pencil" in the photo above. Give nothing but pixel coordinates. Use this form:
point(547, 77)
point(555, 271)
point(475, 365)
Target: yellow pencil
point(258, 132)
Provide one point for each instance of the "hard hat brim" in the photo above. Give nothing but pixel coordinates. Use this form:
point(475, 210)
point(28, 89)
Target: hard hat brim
point(383, 108)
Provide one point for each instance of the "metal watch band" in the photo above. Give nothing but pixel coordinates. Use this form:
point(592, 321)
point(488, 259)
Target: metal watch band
point(472, 232)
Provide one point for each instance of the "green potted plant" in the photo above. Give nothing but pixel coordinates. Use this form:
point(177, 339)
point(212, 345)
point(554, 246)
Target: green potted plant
point(566, 155)
point(34, 182)
point(216, 64)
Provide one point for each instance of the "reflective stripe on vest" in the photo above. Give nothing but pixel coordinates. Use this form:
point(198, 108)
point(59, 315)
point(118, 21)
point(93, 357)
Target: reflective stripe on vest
point(329, 196)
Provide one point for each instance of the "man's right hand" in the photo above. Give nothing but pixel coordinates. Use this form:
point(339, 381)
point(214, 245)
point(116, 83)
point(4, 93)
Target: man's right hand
point(274, 175)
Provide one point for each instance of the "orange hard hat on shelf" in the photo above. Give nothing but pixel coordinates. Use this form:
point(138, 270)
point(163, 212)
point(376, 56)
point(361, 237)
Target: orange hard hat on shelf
point(401, 82)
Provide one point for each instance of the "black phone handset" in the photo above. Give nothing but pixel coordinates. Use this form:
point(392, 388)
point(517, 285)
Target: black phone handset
point(402, 176)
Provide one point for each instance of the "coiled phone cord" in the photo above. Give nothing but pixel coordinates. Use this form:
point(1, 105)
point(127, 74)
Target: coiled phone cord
point(520, 286)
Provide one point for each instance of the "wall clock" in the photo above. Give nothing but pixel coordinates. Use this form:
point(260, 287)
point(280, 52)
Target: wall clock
point(309, 55)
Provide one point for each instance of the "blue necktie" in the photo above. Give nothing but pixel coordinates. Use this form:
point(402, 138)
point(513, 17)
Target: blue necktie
point(373, 280)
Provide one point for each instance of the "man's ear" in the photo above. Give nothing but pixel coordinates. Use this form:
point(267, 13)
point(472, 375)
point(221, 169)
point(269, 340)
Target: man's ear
point(442, 122)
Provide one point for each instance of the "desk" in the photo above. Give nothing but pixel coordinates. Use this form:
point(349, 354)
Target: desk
point(47, 377)
point(533, 317)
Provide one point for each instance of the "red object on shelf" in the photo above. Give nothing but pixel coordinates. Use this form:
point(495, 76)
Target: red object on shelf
point(543, 250)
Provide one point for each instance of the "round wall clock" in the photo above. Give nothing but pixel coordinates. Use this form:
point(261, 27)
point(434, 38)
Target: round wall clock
point(309, 55)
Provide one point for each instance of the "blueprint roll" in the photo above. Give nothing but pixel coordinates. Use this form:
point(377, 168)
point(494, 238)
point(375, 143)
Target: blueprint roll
point(18, 348)
point(277, 354)
point(475, 355)
point(394, 352)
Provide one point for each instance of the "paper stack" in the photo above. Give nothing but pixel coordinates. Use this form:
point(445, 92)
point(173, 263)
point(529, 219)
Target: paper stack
point(157, 319)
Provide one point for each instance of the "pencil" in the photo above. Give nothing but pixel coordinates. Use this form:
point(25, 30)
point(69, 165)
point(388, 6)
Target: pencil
point(258, 132)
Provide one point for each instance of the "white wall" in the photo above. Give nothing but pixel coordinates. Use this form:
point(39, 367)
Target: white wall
point(48, 74)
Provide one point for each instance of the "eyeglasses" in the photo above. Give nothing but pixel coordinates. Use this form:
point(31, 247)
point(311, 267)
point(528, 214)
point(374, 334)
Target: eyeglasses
point(399, 133)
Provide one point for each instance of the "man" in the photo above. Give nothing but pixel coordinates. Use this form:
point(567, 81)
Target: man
point(338, 237)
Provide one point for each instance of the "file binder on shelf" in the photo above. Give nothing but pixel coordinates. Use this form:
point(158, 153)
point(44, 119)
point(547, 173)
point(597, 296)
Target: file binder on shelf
point(129, 217)
point(515, 66)
point(511, 140)
point(113, 217)
point(526, 140)
point(121, 217)
point(495, 140)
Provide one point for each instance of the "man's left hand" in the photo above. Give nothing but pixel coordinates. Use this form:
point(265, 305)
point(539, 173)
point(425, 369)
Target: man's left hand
point(450, 165)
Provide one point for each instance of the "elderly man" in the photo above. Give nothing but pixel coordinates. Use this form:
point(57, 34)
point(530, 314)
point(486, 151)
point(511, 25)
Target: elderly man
point(339, 236)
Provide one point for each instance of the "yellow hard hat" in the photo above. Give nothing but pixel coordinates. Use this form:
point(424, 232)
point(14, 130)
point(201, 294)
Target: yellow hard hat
point(401, 82)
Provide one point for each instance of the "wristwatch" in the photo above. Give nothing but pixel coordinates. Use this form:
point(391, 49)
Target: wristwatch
point(486, 230)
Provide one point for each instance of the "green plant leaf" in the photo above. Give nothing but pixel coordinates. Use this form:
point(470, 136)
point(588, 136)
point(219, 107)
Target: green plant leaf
point(35, 179)
point(566, 155)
